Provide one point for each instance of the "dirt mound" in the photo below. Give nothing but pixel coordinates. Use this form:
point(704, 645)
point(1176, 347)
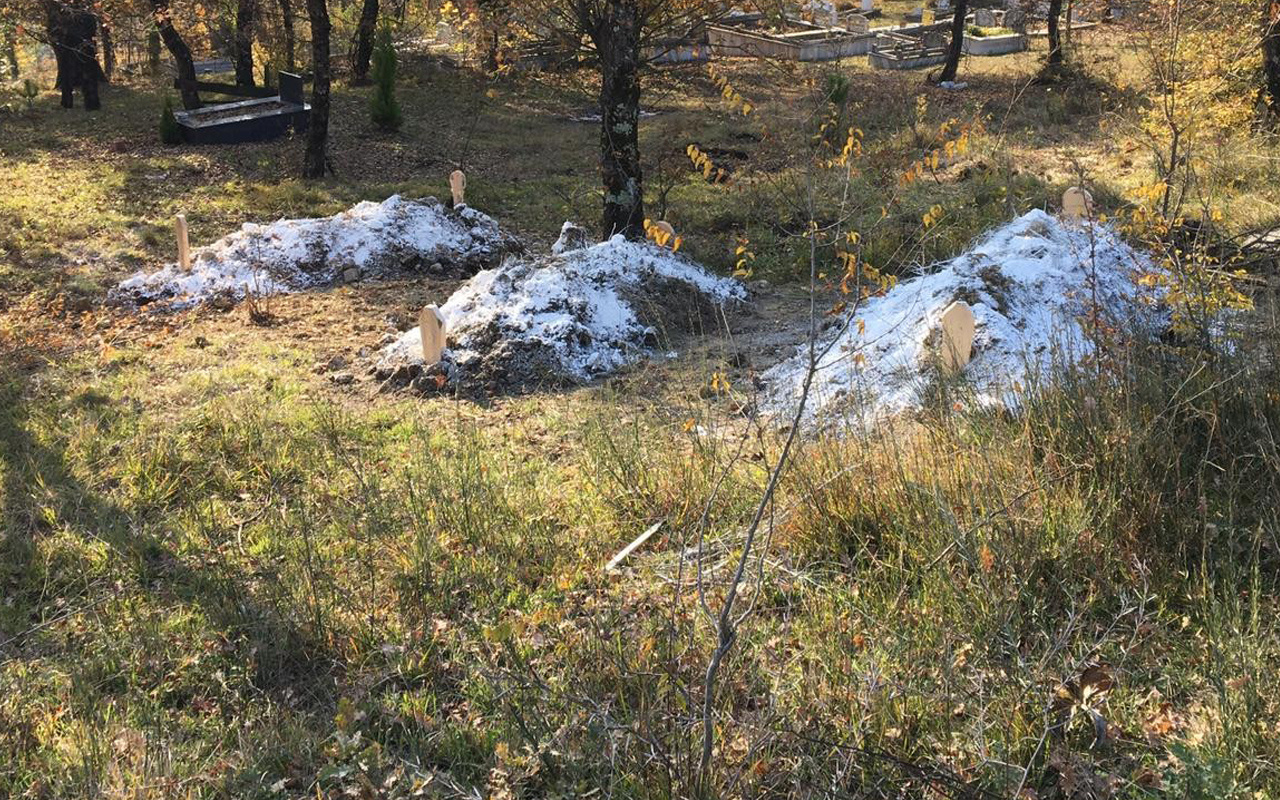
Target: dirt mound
point(394, 238)
point(562, 319)
point(1028, 284)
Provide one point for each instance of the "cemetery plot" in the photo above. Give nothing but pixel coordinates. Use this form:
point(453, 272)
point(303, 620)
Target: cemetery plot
point(253, 120)
point(559, 319)
point(370, 240)
point(1003, 312)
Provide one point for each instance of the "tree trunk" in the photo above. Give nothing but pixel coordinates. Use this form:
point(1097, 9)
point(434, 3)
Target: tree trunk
point(952, 66)
point(108, 49)
point(11, 50)
point(178, 49)
point(617, 41)
point(1271, 53)
point(246, 13)
point(314, 160)
point(286, 15)
point(364, 41)
point(71, 32)
point(1055, 35)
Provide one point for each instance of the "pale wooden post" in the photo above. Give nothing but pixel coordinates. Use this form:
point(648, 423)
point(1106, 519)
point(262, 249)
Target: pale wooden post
point(431, 326)
point(458, 184)
point(184, 244)
point(957, 336)
point(1077, 203)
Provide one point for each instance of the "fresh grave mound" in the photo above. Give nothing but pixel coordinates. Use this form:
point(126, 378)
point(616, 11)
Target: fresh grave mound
point(1028, 283)
point(369, 240)
point(564, 318)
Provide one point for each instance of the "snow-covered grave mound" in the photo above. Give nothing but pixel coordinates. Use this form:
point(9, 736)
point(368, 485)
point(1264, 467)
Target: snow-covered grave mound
point(1028, 283)
point(369, 240)
point(564, 318)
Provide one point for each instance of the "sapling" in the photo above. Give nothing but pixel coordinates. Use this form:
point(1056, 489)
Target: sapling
point(385, 109)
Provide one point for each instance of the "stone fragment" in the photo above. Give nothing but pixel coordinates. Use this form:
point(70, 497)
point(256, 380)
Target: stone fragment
point(957, 336)
point(431, 325)
point(572, 237)
point(351, 275)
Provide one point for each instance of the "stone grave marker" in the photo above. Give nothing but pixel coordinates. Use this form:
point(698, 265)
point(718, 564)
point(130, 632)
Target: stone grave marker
point(431, 326)
point(1077, 203)
point(868, 6)
point(856, 23)
point(984, 18)
point(957, 336)
point(184, 243)
point(926, 16)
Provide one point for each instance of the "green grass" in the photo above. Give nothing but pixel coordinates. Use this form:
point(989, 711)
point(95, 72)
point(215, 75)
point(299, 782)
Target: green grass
point(221, 577)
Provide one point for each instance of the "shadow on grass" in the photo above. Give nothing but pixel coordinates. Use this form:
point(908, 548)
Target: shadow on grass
point(41, 496)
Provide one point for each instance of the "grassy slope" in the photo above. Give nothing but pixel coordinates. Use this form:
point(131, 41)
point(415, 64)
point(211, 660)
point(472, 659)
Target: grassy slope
point(223, 577)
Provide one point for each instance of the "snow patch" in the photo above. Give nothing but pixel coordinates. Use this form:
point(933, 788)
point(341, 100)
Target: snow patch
point(1028, 283)
point(289, 255)
point(568, 317)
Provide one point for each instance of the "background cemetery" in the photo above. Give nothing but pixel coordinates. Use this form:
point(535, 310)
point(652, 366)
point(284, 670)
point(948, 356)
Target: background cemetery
point(639, 398)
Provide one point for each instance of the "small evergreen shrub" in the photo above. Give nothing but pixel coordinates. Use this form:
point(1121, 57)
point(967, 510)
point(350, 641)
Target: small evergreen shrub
point(384, 108)
point(169, 133)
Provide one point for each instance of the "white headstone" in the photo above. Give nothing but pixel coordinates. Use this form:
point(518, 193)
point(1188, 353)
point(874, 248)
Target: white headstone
point(431, 325)
point(1077, 203)
point(184, 244)
point(957, 336)
point(458, 185)
point(868, 6)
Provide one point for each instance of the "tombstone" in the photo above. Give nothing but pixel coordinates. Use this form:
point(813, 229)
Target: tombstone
point(184, 244)
point(984, 18)
point(957, 336)
point(943, 5)
point(1077, 203)
point(1015, 20)
point(431, 327)
point(868, 6)
point(935, 39)
point(458, 184)
point(926, 17)
point(856, 23)
point(291, 88)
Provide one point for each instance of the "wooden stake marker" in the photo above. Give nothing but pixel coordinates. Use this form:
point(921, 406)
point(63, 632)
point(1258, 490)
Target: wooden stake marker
point(431, 325)
point(184, 244)
point(458, 184)
point(957, 336)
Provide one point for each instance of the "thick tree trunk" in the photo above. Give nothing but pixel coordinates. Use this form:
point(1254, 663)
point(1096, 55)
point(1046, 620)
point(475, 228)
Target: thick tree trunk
point(71, 32)
point(314, 160)
point(952, 66)
point(1271, 53)
point(1055, 35)
point(363, 50)
point(617, 41)
point(246, 14)
point(178, 49)
point(286, 18)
